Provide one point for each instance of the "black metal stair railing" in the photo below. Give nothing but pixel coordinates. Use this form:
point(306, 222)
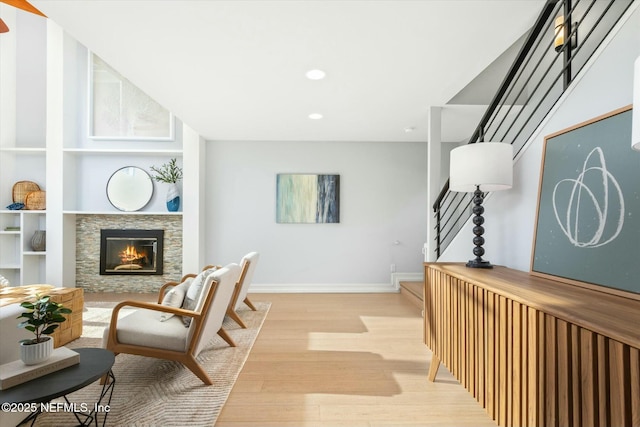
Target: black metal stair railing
point(542, 70)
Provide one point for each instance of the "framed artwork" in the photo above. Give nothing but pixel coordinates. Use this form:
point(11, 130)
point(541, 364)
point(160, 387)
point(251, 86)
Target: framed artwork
point(588, 217)
point(306, 198)
point(119, 110)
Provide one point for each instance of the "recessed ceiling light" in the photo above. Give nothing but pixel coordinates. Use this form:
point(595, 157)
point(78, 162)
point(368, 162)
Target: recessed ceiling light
point(315, 74)
point(315, 116)
point(409, 129)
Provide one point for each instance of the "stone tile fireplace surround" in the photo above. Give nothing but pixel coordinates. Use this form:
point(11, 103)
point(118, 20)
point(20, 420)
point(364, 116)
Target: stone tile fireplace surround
point(88, 252)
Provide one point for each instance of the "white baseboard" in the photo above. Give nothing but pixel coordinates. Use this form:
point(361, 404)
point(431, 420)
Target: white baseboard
point(336, 288)
point(321, 288)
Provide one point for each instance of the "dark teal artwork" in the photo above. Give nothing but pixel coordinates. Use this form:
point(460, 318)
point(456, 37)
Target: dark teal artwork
point(588, 224)
point(306, 198)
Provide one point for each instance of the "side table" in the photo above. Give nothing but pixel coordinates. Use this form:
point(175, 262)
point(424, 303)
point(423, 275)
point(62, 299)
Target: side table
point(72, 298)
point(94, 364)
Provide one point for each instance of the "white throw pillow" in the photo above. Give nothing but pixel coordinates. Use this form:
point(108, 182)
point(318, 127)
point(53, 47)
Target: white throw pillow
point(193, 294)
point(175, 298)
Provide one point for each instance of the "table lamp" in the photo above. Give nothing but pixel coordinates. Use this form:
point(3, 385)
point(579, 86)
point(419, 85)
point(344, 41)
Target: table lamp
point(481, 167)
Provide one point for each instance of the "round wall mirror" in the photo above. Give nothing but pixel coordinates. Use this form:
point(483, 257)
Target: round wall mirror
point(130, 188)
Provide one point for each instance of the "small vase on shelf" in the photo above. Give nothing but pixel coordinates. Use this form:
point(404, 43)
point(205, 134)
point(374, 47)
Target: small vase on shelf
point(39, 241)
point(169, 173)
point(173, 198)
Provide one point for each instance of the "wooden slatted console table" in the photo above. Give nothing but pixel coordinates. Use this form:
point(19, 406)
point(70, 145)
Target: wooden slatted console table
point(534, 351)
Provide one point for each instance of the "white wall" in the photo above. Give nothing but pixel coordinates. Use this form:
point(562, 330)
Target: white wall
point(382, 200)
point(510, 215)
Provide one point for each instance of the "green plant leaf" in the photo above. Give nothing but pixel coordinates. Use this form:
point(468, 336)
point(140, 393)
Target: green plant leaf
point(169, 172)
point(44, 316)
point(50, 329)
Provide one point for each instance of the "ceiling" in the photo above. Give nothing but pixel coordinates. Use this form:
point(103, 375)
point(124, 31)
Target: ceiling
point(235, 70)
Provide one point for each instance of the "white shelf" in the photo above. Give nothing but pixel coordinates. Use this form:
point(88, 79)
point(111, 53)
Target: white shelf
point(119, 213)
point(10, 267)
point(121, 152)
point(34, 253)
point(25, 211)
point(9, 232)
point(21, 150)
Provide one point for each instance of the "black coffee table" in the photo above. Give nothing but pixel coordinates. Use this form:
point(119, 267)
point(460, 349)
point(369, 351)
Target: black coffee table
point(94, 364)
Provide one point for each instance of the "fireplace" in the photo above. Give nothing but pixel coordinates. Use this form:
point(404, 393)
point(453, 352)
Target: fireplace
point(131, 251)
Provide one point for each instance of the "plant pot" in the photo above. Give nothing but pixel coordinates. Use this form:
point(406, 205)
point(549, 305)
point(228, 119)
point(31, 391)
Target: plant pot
point(173, 198)
point(39, 241)
point(32, 354)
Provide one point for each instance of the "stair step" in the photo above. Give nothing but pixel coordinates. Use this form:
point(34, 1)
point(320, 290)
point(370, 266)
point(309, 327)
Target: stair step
point(413, 291)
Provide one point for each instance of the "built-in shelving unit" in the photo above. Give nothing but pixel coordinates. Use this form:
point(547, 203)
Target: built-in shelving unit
point(44, 139)
point(55, 152)
point(19, 263)
point(23, 150)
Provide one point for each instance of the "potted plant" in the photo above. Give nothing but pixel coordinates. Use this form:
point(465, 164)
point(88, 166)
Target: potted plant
point(170, 173)
point(42, 318)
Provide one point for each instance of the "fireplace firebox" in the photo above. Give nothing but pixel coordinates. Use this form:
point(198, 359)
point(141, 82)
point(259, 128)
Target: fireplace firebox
point(131, 251)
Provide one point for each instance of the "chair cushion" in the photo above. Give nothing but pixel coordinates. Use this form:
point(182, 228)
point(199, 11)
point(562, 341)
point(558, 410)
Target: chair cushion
point(175, 298)
point(143, 328)
point(193, 293)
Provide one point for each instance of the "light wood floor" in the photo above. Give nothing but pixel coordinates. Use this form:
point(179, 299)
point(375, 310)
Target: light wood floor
point(326, 360)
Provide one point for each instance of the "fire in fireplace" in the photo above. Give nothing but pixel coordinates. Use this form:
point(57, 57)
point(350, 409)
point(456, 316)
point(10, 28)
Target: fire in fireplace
point(131, 251)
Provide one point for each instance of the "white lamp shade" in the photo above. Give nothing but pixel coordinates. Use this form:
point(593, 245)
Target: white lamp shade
point(635, 129)
point(485, 164)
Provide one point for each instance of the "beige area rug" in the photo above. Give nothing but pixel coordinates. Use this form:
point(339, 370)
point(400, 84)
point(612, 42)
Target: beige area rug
point(154, 392)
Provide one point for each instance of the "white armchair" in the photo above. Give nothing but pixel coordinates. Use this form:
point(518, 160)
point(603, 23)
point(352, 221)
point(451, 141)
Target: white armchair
point(158, 330)
point(248, 264)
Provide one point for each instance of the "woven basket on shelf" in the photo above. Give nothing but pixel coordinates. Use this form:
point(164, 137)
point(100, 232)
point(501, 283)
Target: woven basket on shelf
point(22, 188)
point(36, 200)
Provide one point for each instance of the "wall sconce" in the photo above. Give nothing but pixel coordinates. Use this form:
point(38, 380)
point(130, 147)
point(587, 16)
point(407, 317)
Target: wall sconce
point(478, 168)
point(635, 126)
point(3, 27)
point(561, 32)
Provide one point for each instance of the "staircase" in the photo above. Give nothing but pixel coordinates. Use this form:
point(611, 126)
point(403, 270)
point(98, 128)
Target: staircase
point(413, 292)
point(558, 46)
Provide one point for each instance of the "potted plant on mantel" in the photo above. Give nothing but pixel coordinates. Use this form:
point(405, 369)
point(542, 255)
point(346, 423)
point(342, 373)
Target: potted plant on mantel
point(42, 318)
point(170, 173)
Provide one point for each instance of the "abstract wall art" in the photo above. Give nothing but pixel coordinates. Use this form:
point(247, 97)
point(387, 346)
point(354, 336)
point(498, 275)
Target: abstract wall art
point(588, 221)
point(307, 198)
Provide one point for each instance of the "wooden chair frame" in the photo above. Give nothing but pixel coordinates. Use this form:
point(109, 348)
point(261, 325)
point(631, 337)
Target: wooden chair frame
point(231, 312)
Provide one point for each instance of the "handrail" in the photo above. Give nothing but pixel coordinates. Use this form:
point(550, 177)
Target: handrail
point(506, 82)
point(537, 28)
point(554, 70)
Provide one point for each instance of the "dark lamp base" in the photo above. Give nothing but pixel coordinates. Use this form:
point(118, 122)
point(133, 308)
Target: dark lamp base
point(474, 263)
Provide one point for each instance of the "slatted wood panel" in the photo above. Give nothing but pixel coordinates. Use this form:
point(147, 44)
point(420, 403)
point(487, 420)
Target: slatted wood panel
point(531, 356)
